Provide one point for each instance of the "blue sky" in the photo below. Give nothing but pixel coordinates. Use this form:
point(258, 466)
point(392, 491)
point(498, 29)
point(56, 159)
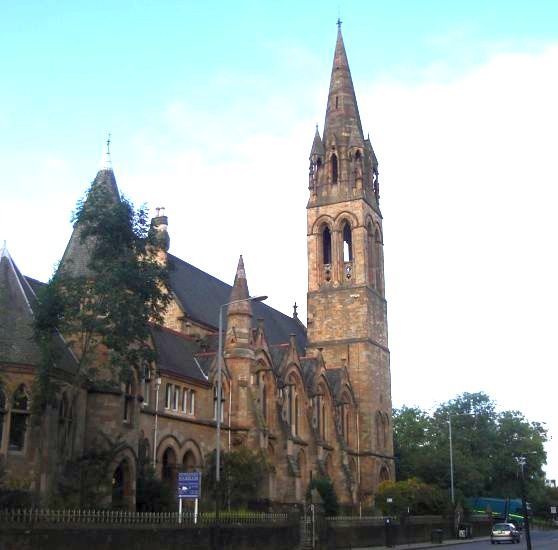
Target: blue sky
point(212, 108)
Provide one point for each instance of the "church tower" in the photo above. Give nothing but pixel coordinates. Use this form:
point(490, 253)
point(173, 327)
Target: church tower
point(347, 313)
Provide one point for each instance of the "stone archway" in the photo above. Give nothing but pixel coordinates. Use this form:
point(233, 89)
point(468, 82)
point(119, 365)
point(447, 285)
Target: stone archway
point(122, 486)
point(168, 471)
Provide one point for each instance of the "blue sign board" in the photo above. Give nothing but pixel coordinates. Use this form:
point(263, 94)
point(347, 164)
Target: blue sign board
point(189, 484)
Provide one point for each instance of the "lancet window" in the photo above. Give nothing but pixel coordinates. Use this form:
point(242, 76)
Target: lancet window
point(18, 419)
point(334, 168)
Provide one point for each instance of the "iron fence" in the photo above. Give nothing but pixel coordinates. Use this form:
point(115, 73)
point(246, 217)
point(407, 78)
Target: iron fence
point(41, 516)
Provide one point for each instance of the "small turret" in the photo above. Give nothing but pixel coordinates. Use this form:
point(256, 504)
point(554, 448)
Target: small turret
point(158, 232)
point(239, 313)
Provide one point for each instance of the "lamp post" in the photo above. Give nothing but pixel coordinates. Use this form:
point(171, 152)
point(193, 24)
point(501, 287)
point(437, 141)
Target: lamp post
point(521, 461)
point(155, 428)
point(451, 462)
point(218, 398)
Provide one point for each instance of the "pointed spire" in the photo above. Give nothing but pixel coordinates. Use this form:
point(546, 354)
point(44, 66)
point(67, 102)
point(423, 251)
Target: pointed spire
point(4, 251)
point(317, 145)
point(342, 116)
point(240, 292)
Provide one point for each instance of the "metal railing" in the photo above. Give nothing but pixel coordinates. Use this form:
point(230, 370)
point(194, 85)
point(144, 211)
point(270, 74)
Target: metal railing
point(115, 517)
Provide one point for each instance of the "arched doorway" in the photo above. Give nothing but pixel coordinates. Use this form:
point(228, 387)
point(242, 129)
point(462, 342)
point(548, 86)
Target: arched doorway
point(169, 467)
point(122, 487)
point(189, 462)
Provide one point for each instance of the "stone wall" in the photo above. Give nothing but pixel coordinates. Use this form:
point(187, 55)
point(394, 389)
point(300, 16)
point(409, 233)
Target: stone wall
point(284, 537)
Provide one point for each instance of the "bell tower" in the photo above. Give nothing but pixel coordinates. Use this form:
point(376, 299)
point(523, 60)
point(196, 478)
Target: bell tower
point(347, 312)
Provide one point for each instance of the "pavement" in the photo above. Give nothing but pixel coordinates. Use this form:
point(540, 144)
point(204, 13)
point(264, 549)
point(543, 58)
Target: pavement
point(421, 545)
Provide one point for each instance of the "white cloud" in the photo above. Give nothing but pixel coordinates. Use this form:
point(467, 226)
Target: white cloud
point(469, 187)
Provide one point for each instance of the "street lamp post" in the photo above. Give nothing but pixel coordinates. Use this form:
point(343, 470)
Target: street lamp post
point(521, 461)
point(156, 426)
point(451, 462)
point(218, 398)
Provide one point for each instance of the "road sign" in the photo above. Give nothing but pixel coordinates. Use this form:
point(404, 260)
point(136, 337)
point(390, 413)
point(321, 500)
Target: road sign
point(189, 484)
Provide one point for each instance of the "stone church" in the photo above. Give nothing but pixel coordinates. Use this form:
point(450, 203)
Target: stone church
point(315, 399)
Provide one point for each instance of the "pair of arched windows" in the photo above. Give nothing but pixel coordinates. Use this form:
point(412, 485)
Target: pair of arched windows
point(327, 250)
point(14, 415)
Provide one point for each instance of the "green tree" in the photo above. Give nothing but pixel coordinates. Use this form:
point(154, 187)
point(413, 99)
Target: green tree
point(325, 488)
point(485, 445)
point(243, 473)
point(410, 496)
point(105, 312)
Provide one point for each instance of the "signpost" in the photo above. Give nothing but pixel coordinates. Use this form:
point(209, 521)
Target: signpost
point(189, 486)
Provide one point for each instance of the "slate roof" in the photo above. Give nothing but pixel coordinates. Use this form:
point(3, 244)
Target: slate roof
point(17, 303)
point(201, 295)
point(17, 344)
point(176, 354)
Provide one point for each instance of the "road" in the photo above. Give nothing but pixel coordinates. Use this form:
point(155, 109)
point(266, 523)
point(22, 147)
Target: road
point(540, 540)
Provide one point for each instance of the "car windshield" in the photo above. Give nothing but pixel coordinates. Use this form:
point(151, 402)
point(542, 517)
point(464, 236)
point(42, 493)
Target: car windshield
point(502, 527)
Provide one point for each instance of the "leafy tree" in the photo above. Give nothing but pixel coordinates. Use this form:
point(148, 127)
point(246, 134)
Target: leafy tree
point(243, 472)
point(105, 313)
point(153, 494)
point(485, 445)
point(410, 496)
point(325, 488)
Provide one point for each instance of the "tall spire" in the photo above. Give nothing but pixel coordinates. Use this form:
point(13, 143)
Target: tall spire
point(240, 292)
point(342, 116)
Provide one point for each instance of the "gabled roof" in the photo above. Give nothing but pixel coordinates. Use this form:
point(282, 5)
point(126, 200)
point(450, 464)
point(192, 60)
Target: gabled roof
point(201, 295)
point(17, 343)
point(17, 305)
point(176, 354)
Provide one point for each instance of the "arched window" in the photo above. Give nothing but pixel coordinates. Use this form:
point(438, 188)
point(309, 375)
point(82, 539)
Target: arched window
point(347, 243)
point(64, 425)
point(295, 412)
point(379, 429)
point(169, 466)
point(334, 168)
point(264, 400)
point(378, 258)
point(128, 401)
point(18, 419)
point(326, 245)
point(384, 474)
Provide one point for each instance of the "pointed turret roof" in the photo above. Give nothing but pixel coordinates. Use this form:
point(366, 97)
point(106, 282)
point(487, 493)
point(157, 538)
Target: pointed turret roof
point(240, 292)
point(342, 116)
point(77, 254)
point(317, 144)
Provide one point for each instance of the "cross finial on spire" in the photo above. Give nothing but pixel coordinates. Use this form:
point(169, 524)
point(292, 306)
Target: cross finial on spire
point(107, 163)
point(339, 23)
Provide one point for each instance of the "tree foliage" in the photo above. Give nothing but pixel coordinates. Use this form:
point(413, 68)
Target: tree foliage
point(411, 496)
point(325, 488)
point(105, 313)
point(485, 446)
point(243, 473)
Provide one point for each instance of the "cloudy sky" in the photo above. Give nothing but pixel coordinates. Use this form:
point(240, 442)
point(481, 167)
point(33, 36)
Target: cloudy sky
point(212, 108)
